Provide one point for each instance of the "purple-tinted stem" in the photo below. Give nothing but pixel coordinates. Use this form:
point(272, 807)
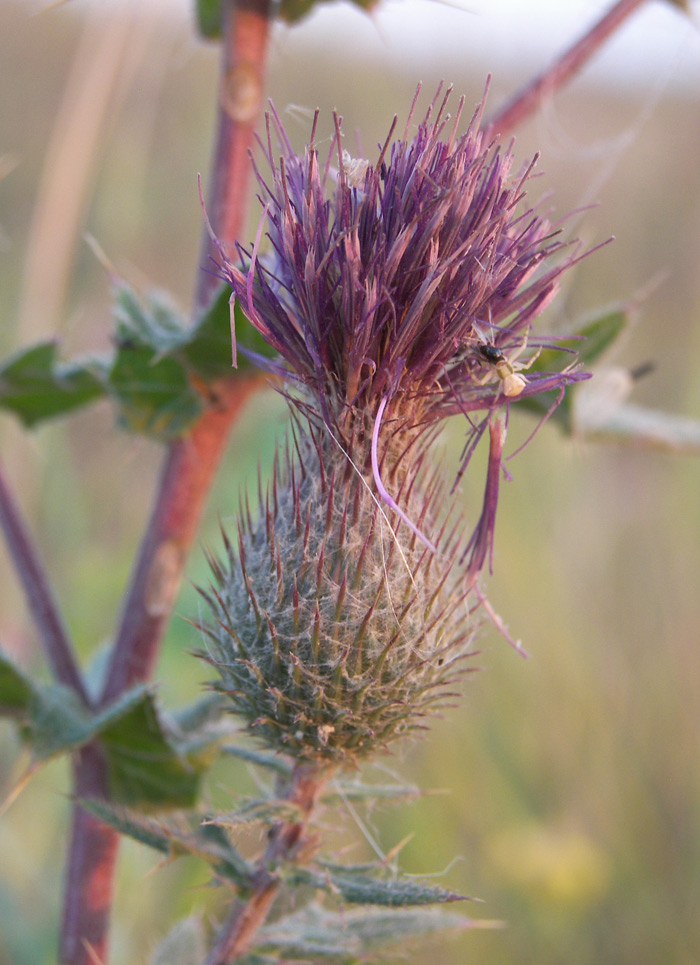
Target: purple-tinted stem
point(186, 479)
point(40, 600)
point(238, 931)
point(528, 100)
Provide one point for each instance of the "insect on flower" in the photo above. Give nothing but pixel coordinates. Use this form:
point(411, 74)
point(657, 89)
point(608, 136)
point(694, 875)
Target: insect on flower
point(507, 369)
point(355, 170)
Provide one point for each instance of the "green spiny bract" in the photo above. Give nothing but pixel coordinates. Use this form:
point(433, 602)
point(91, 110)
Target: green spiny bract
point(336, 629)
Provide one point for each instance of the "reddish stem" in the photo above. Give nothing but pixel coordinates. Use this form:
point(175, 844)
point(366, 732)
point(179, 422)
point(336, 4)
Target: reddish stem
point(241, 87)
point(40, 599)
point(529, 100)
point(186, 479)
point(245, 918)
point(187, 476)
point(90, 874)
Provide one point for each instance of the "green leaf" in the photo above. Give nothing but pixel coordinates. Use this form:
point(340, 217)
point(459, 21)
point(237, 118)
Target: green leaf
point(35, 386)
point(148, 831)
point(15, 689)
point(341, 790)
point(590, 342)
point(147, 766)
point(372, 889)
point(198, 717)
point(159, 375)
point(156, 399)
point(258, 811)
point(209, 18)
point(154, 393)
point(600, 334)
point(175, 840)
point(351, 934)
point(151, 322)
point(293, 10)
point(214, 846)
point(163, 367)
point(209, 15)
point(183, 945)
point(264, 759)
point(208, 349)
point(52, 717)
point(152, 762)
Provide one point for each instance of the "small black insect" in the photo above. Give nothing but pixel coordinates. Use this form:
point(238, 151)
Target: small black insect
point(490, 353)
point(505, 368)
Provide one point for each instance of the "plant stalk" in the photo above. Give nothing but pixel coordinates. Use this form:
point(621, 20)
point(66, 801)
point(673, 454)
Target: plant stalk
point(529, 99)
point(186, 479)
point(41, 603)
point(286, 838)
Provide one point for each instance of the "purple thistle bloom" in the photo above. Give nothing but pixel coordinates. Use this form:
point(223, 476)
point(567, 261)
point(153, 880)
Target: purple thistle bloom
point(404, 289)
point(397, 293)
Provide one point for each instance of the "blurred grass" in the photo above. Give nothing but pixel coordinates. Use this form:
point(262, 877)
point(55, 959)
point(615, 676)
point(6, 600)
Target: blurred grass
point(574, 792)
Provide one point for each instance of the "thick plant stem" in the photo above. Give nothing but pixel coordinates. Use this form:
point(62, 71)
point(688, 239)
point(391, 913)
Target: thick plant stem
point(241, 87)
point(40, 600)
point(247, 916)
point(90, 876)
point(186, 479)
point(187, 475)
point(528, 101)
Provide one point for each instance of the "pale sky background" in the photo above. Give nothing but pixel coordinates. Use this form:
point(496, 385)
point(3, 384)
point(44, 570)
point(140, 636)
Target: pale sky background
point(657, 45)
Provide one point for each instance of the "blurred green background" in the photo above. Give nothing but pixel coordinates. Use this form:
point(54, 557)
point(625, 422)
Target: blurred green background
point(572, 804)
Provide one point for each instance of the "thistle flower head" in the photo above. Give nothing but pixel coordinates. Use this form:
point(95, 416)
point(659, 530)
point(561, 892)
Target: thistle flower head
point(397, 291)
point(387, 278)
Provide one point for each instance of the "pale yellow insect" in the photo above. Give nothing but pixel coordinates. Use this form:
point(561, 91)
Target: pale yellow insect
point(505, 368)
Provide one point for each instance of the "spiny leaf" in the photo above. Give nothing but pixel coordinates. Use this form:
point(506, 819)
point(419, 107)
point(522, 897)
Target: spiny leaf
point(163, 367)
point(340, 789)
point(600, 334)
point(201, 715)
point(217, 849)
point(590, 341)
point(52, 717)
point(146, 831)
point(146, 764)
point(208, 350)
point(256, 811)
point(150, 763)
point(264, 759)
point(350, 935)
point(158, 376)
point(36, 386)
point(176, 840)
point(368, 889)
point(183, 945)
point(154, 394)
point(152, 321)
point(15, 688)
